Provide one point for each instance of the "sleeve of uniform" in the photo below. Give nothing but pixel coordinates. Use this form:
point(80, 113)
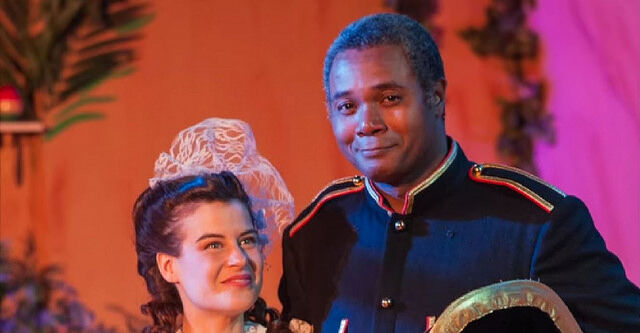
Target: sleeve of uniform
point(571, 258)
point(290, 291)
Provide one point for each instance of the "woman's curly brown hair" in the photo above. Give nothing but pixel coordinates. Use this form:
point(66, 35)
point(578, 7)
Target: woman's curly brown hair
point(154, 215)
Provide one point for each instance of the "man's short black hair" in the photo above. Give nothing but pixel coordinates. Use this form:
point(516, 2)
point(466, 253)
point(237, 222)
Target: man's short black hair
point(390, 29)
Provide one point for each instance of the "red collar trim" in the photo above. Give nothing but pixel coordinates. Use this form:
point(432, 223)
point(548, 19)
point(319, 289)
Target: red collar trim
point(409, 197)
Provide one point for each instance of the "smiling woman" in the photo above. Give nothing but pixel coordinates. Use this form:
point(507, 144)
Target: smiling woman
point(200, 254)
point(201, 232)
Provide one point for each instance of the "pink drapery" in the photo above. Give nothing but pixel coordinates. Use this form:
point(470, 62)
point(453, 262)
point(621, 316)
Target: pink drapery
point(592, 62)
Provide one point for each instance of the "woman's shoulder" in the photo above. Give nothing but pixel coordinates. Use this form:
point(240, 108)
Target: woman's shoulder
point(251, 327)
point(295, 326)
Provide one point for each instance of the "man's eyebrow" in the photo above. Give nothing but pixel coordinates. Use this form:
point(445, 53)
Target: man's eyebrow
point(388, 85)
point(339, 94)
point(379, 86)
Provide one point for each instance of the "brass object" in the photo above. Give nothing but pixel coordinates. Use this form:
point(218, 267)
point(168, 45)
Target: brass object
point(483, 301)
point(476, 170)
point(386, 303)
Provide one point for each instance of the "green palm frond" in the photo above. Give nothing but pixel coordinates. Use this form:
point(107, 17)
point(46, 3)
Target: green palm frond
point(53, 51)
point(76, 118)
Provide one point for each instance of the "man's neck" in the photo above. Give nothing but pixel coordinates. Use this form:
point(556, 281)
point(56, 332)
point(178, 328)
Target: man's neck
point(395, 193)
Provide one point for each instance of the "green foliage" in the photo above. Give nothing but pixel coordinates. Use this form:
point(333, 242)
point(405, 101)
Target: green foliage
point(35, 299)
point(78, 117)
point(56, 51)
point(420, 10)
point(524, 119)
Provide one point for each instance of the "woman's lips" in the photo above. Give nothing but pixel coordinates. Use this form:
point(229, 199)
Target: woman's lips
point(240, 280)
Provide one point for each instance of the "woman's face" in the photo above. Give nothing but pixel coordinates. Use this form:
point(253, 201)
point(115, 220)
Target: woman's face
point(220, 265)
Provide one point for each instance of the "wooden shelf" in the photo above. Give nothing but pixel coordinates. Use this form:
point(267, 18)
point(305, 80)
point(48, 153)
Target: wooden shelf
point(22, 127)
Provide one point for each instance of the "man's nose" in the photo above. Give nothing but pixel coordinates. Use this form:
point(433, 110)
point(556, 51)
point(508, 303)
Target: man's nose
point(371, 121)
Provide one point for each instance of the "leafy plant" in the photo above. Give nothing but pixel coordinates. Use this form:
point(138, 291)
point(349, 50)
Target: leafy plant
point(35, 299)
point(56, 52)
point(524, 118)
point(420, 10)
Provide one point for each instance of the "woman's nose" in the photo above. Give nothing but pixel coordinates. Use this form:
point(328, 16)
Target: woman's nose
point(237, 257)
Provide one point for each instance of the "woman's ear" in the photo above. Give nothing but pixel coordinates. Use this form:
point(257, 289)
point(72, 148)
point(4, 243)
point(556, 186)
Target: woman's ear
point(167, 267)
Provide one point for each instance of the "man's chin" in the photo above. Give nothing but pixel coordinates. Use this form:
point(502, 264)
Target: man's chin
point(378, 174)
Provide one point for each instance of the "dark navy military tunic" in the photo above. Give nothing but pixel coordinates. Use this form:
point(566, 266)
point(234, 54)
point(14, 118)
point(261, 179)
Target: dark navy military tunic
point(348, 256)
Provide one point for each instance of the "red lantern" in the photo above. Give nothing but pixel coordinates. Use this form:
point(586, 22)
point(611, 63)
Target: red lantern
point(11, 104)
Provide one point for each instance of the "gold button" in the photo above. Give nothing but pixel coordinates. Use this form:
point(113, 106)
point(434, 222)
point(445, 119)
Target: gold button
point(386, 303)
point(399, 225)
point(476, 170)
point(357, 180)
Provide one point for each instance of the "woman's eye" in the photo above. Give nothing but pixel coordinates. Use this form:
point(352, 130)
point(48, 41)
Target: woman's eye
point(249, 241)
point(213, 245)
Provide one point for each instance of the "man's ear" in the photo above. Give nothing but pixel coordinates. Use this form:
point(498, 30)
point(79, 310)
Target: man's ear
point(167, 267)
point(439, 95)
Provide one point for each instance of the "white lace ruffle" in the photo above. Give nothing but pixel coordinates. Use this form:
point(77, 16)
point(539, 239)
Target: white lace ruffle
point(216, 145)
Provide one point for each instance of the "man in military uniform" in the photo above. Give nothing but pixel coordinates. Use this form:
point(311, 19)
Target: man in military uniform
point(388, 251)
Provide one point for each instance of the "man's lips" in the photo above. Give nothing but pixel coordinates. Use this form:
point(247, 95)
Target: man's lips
point(240, 280)
point(373, 151)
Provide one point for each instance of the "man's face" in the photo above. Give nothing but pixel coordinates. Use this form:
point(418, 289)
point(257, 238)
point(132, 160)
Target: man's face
point(381, 120)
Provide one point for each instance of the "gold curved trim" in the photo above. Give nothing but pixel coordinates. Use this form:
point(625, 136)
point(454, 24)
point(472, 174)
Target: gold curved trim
point(483, 301)
point(526, 174)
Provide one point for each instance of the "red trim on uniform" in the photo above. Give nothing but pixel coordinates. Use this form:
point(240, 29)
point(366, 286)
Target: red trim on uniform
point(380, 197)
point(495, 182)
point(442, 163)
point(344, 326)
point(429, 322)
point(304, 221)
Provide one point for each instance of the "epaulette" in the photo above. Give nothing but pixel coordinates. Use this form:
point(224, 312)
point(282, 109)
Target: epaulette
point(531, 187)
point(336, 188)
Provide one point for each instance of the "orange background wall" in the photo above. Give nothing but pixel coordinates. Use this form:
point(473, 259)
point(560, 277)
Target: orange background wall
point(260, 61)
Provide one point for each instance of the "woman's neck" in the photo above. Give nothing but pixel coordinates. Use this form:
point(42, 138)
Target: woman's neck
point(201, 322)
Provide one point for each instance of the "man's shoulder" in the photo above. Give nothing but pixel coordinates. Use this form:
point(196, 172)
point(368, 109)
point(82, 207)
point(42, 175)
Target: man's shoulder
point(529, 186)
point(335, 190)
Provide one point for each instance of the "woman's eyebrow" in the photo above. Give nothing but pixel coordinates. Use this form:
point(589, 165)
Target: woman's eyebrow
point(250, 231)
point(209, 236)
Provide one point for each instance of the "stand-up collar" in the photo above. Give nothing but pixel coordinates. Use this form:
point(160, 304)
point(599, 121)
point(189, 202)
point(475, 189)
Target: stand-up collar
point(449, 170)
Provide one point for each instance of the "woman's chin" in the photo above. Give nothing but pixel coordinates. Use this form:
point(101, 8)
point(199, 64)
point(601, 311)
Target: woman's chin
point(241, 300)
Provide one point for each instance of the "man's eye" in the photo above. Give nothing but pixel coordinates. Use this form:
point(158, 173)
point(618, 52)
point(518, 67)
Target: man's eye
point(249, 241)
point(213, 245)
point(345, 107)
point(391, 99)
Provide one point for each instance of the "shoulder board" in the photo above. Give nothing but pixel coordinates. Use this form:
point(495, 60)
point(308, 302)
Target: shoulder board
point(336, 188)
point(531, 187)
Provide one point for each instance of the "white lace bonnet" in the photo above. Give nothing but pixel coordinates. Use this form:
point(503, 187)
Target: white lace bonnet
point(215, 145)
